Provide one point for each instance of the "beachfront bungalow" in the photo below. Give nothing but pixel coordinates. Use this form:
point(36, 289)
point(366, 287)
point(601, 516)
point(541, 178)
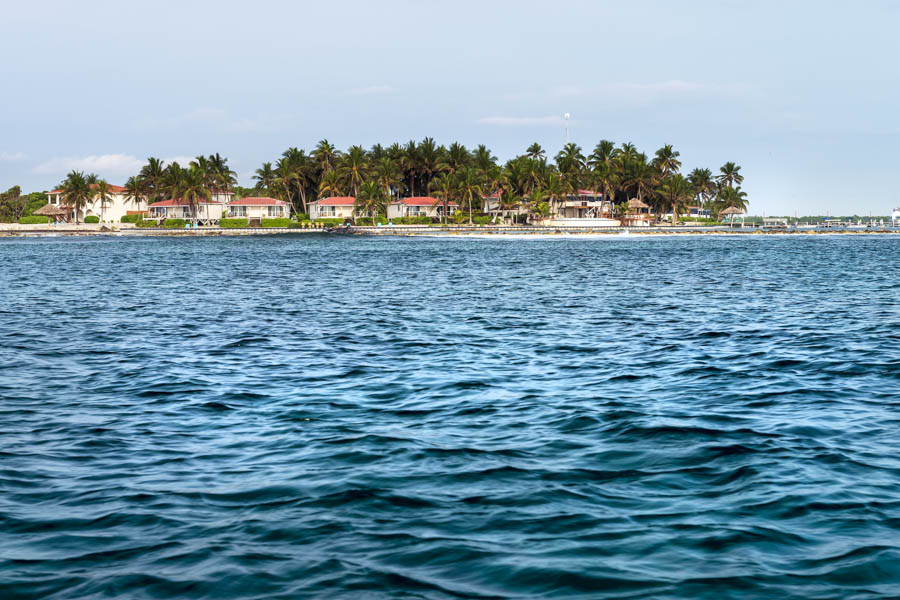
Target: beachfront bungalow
point(340, 207)
point(257, 208)
point(698, 212)
point(420, 207)
point(637, 214)
point(112, 210)
point(586, 204)
point(209, 212)
point(116, 207)
point(491, 205)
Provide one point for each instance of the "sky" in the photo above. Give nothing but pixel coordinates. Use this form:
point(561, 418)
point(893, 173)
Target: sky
point(803, 95)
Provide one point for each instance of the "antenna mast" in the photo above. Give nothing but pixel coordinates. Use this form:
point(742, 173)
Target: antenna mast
point(566, 117)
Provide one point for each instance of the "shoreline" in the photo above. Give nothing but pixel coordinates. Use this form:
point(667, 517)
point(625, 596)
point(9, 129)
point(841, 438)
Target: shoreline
point(500, 232)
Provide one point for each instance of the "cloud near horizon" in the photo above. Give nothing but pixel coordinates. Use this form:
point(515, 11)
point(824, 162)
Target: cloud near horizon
point(104, 165)
point(10, 156)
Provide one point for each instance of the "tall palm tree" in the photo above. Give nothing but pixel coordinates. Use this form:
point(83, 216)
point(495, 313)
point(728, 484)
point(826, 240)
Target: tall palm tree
point(171, 181)
point(730, 175)
point(76, 191)
point(666, 160)
point(370, 200)
point(446, 189)
point(676, 191)
point(354, 168)
point(411, 165)
point(535, 152)
point(470, 190)
point(101, 193)
point(704, 185)
point(153, 173)
point(135, 190)
point(325, 157)
point(429, 161)
point(730, 197)
point(265, 177)
point(570, 163)
point(387, 175)
point(538, 207)
point(330, 185)
point(193, 188)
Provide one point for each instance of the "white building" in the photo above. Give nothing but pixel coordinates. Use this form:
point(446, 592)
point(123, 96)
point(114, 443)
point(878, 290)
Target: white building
point(332, 208)
point(584, 209)
point(258, 208)
point(117, 206)
point(209, 212)
point(111, 211)
point(419, 206)
point(895, 217)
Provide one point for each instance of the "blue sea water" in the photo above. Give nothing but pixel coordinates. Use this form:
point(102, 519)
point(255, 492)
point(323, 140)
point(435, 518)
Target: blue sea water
point(344, 417)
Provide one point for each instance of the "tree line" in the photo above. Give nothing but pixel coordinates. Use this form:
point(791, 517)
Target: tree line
point(530, 182)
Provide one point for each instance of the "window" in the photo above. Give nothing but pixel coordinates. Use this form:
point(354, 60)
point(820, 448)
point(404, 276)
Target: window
point(239, 211)
point(274, 211)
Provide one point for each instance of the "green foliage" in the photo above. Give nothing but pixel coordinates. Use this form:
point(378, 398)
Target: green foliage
point(329, 222)
point(234, 223)
point(367, 221)
point(92, 219)
point(301, 217)
point(299, 224)
point(34, 220)
point(153, 223)
point(413, 221)
point(174, 223)
point(482, 220)
point(272, 223)
point(132, 218)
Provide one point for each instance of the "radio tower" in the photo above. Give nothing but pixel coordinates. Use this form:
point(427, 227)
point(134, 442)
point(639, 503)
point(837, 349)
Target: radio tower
point(566, 117)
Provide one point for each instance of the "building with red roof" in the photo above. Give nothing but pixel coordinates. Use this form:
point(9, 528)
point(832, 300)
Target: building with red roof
point(419, 206)
point(338, 207)
point(259, 207)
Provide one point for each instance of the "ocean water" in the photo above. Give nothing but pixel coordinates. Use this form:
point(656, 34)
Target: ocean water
point(335, 417)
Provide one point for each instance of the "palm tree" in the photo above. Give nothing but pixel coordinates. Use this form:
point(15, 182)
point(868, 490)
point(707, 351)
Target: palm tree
point(325, 156)
point(387, 175)
point(429, 162)
point(676, 191)
point(730, 175)
point(153, 174)
point(732, 198)
point(76, 191)
point(102, 193)
point(570, 163)
point(330, 185)
point(354, 168)
point(666, 160)
point(538, 207)
point(171, 181)
point(535, 152)
point(446, 190)
point(704, 185)
point(469, 189)
point(265, 177)
point(135, 190)
point(370, 200)
point(411, 165)
point(193, 188)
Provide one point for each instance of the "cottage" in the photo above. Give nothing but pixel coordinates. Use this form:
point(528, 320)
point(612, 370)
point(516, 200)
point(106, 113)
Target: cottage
point(637, 214)
point(117, 205)
point(332, 208)
point(209, 212)
point(420, 207)
point(257, 208)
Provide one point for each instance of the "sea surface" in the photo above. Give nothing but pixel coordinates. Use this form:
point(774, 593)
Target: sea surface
point(333, 417)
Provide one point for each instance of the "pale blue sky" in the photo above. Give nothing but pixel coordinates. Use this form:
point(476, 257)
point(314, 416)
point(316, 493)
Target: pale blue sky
point(803, 95)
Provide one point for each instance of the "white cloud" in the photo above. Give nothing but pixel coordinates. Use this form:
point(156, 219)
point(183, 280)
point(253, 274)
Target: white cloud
point(624, 94)
point(521, 121)
point(217, 119)
point(372, 90)
point(4, 156)
point(104, 165)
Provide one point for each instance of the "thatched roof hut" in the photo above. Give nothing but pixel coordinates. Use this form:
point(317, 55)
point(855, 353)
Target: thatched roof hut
point(50, 210)
point(731, 210)
point(634, 203)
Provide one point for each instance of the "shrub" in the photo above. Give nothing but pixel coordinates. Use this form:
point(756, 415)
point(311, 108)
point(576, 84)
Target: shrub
point(142, 223)
point(279, 222)
point(92, 219)
point(301, 217)
point(413, 221)
point(367, 221)
point(174, 223)
point(297, 225)
point(482, 220)
point(34, 220)
point(329, 222)
point(132, 218)
point(234, 223)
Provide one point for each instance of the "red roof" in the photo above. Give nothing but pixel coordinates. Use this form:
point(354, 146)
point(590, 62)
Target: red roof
point(257, 201)
point(422, 201)
point(587, 193)
point(494, 195)
point(336, 201)
point(179, 202)
point(115, 189)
